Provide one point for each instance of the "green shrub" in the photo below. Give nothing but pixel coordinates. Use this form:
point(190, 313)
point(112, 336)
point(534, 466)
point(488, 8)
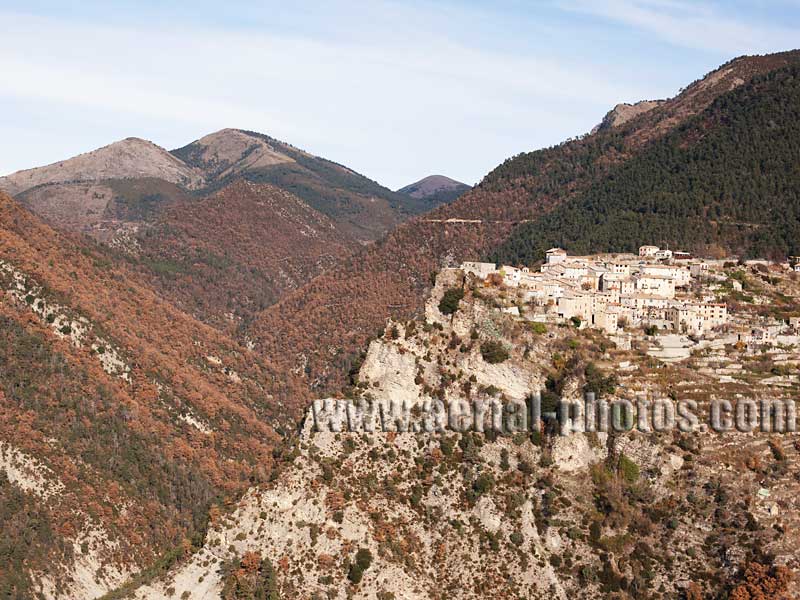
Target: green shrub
point(493, 352)
point(355, 573)
point(364, 558)
point(595, 531)
point(598, 383)
point(537, 327)
point(483, 484)
point(628, 469)
point(450, 299)
point(362, 562)
point(536, 437)
point(446, 445)
point(525, 467)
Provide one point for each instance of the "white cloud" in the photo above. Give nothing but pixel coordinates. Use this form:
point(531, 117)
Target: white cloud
point(393, 108)
point(698, 25)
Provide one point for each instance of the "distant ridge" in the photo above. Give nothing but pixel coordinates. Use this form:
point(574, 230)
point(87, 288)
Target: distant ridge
point(126, 159)
point(723, 183)
point(363, 208)
point(624, 112)
point(84, 193)
point(436, 189)
point(225, 257)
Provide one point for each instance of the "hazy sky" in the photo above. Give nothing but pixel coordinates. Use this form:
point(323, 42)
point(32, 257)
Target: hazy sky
point(394, 90)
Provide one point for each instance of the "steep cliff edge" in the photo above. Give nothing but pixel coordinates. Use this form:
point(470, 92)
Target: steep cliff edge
point(414, 515)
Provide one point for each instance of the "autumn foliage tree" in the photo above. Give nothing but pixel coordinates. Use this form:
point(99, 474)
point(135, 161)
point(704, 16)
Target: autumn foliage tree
point(762, 582)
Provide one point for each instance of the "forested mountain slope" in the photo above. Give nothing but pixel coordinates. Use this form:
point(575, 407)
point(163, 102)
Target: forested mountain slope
point(221, 227)
point(361, 207)
point(122, 419)
point(726, 180)
point(226, 257)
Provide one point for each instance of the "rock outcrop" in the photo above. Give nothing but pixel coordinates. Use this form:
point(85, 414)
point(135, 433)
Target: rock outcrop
point(417, 515)
point(624, 112)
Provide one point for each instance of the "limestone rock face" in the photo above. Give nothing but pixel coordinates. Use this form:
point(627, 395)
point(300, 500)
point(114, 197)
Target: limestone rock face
point(575, 453)
point(452, 514)
point(390, 372)
point(624, 112)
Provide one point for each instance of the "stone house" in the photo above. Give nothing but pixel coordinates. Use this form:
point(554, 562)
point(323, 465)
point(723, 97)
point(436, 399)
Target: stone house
point(479, 269)
point(555, 255)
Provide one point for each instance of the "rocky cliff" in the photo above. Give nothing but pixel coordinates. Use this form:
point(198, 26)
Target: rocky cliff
point(413, 515)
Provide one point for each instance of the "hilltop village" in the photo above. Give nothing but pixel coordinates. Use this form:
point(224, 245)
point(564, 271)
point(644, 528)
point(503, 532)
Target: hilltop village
point(397, 513)
point(682, 298)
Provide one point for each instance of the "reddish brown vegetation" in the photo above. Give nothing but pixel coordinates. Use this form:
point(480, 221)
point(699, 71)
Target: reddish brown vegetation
point(116, 444)
point(762, 582)
point(239, 250)
point(331, 317)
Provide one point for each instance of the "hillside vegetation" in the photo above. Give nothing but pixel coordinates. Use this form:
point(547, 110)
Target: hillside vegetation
point(124, 417)
point(362, 207)
point(132, 423)
point(228, 256)
point(727, 178)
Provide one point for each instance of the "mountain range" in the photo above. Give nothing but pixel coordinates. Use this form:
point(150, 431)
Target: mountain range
point(224, 225)
point(84, 192)
point(168, 316)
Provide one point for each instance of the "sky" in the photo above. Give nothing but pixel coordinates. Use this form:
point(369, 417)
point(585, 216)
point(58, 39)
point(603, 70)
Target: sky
point(394, 90)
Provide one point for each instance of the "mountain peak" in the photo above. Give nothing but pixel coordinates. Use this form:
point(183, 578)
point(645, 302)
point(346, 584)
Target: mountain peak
point(129, 158)
point(439, 189)
point(430, 185)
point(228, 152)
